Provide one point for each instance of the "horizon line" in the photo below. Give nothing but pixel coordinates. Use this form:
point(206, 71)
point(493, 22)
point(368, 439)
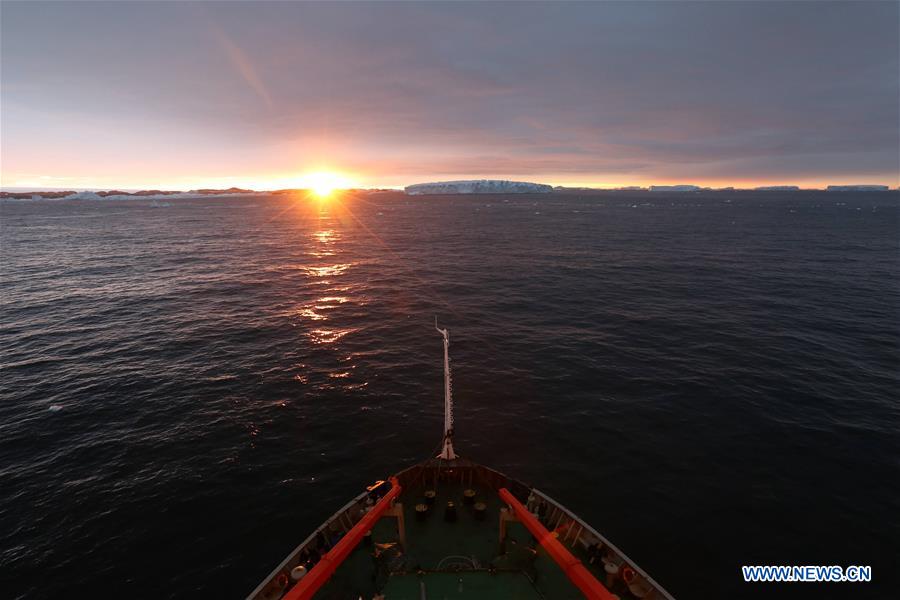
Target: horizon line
point(619, 188)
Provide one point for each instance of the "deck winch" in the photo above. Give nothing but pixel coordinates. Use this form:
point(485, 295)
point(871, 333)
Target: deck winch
point(450, 511)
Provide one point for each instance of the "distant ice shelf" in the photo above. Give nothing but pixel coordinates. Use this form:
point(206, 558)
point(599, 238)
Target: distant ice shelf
point(857, 188)
point(477, 186)
point(120, 195)
point(674, 188)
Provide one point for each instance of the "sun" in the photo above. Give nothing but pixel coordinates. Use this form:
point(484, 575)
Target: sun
point(324, 183)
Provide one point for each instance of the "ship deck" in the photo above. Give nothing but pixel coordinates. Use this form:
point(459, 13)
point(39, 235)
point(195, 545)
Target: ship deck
point(461, 559)
point(431, 557)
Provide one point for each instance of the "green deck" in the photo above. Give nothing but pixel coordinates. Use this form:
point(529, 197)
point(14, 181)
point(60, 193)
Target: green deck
point(461, 559)
point(455, 586)
point(442, 559)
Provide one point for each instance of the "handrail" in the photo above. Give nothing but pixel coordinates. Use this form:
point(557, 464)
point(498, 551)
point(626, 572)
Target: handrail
point(577, 573)
point(593, 533)
point(307, 587)
point(293, 557)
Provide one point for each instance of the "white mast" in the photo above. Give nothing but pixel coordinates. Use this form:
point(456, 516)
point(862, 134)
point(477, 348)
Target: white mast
point(447, 452)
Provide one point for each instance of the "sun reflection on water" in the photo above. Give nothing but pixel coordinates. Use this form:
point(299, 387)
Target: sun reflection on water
point(314, 310)
point(328, 336)
point(311, 314)
point(330, 296)
point(325, 236)
point(327, 270)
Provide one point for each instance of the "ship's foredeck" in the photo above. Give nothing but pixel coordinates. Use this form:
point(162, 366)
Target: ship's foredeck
point(448, 559)
point(479, 550)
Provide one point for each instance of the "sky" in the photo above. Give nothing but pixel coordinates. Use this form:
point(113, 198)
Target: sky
point(258, 94)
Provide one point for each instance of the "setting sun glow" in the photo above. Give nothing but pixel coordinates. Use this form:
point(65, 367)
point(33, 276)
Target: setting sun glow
point(324, 183)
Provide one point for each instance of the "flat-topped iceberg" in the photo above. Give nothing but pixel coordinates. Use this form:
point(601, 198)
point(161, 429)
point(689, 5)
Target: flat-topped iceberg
point(857, 188)
point(120, 195)
point(478, 186)
point(674, 188)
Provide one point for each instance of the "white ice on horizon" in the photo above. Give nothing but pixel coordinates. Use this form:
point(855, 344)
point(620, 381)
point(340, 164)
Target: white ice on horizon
point(478, 186)
point(857, 188)
point(93, 196)
point(675, 188)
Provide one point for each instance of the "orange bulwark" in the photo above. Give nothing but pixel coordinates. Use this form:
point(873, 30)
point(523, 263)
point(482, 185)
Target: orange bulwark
point(571, 566)
point(307, 587)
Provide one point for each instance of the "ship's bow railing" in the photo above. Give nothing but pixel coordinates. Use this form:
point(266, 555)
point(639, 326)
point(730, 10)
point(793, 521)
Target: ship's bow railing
point(602, 555)
point(309, 553)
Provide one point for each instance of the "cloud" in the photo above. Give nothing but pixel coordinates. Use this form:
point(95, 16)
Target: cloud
point(590, 89)
point(242, 64)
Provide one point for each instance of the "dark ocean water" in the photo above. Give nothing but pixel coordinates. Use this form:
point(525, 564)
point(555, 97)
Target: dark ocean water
point(711, 380)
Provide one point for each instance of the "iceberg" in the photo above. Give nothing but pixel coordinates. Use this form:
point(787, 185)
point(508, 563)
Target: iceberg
point(674, 188)
point(856, 188)
point(120, 195)
point(477, 186)
point(85, 196)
